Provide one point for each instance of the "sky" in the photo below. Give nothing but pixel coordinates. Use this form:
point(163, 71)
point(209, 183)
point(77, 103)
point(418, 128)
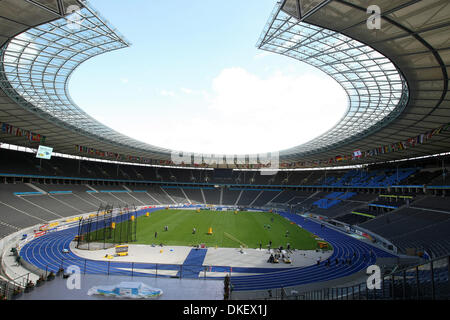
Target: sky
point(193, 80)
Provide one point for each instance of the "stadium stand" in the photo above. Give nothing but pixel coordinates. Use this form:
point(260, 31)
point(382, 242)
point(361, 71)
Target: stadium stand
point(265, 197)
point(248, 196)
point(391, 190)
point(212, 195)
point(62, 193)
point(175, 193)
point(409, 227)
point(433, 203)
point(230, 196)
point(194, 194)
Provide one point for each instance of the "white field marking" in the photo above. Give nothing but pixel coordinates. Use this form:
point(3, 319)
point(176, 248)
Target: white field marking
point(234, 239)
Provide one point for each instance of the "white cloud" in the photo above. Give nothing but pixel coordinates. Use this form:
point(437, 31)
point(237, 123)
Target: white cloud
point(244, 113)
point(18, 44)
point(125, 80)
point(186, 90)
point(167, 93)
point(202, 93)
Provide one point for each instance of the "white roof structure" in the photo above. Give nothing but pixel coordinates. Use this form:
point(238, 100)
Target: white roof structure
point(395, 77)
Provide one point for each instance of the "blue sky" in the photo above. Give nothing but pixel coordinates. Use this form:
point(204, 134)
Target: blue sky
point(193, 80)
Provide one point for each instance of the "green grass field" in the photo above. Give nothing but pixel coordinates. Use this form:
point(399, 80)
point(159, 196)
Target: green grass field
point(229, 230)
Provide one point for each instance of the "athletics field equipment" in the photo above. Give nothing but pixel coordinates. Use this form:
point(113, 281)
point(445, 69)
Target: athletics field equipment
point(230, 230)
point(110, 226)
point(47, 253)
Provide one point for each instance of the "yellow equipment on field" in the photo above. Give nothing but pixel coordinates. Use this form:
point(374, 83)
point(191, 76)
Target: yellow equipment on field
point(122, 250)
point(322, 245)
point(210, 231)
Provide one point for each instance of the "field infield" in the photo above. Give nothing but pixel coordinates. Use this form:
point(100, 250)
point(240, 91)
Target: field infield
point(229, 229)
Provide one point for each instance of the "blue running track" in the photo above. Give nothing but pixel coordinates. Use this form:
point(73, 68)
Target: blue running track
point(344, 246)
point(46, 253)
point(193, 263)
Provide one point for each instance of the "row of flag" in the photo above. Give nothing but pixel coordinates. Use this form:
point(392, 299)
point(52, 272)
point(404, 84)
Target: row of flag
point(119, 157)
point(19, 132)
point(359, 154)
point(122, 157)
point(356, 155)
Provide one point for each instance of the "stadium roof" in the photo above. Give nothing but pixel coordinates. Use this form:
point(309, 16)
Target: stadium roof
point(396, 76)
point(414, 36)
point(37, 65)
point(376, 90)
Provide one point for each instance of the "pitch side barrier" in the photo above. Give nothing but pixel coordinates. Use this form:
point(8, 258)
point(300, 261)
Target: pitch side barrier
point(424, 281)
point(20, 238)
point(348, 229)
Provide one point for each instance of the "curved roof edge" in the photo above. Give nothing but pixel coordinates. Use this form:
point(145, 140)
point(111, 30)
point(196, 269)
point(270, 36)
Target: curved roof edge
point(376, 89)
point(308, 30)
point(38, 63)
